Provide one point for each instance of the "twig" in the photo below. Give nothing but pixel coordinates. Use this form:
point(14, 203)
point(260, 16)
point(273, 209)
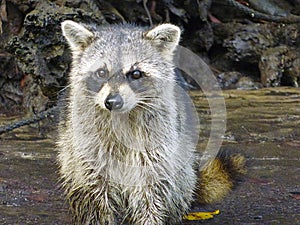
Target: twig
point(148, 13)
point(38, 117)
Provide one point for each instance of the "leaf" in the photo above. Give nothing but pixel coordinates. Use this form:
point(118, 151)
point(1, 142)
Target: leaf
point(201, 215)
point(295, 194)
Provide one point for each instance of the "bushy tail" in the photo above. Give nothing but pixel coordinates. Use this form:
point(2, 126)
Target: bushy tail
point(218, 176)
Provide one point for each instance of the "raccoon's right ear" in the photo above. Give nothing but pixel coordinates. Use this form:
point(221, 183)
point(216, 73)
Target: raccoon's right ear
point(164, 37)
point(77, 35)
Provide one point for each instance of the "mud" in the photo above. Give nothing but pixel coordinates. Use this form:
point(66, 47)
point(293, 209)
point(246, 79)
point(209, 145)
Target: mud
point(263, 125)
point(29, 187)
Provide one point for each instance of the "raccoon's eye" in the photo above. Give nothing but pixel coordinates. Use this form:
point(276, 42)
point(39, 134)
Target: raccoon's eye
point(135, 74)
point(101, 73)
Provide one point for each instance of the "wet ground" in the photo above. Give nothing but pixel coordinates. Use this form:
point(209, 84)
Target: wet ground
point(264, 125)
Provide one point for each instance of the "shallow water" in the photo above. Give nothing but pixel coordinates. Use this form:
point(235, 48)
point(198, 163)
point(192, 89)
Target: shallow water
point(261, 124)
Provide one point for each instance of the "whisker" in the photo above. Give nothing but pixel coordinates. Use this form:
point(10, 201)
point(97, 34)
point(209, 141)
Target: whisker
point(149, 107)
point(64, 88)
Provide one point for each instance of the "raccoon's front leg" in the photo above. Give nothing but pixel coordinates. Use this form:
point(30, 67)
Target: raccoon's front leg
point(95, 215)
point(90, 208)
point(147, 206)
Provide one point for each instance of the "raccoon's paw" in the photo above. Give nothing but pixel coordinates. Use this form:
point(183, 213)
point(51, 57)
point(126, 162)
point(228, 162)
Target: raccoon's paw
point(219, 175)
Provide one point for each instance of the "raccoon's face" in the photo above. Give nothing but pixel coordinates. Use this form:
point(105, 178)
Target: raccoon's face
point(122, 89)
point(122, 66)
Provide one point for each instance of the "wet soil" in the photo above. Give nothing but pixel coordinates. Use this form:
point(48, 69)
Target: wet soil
point(262, 124)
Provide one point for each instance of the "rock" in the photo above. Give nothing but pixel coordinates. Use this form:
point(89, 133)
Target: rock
point(235, 80)
point(247, 83)
point(228, 80)
point(39, 57)
point(280, 66)
point(11, 95)
point(248, 43)
point(203, 38)
point(41, 51)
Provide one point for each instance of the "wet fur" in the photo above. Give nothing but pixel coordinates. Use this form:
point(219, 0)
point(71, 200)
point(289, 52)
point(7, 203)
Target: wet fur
point(93, 158)
point(136, 165)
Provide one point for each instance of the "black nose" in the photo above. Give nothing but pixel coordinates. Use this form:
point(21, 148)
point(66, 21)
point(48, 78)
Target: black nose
point(113, 101)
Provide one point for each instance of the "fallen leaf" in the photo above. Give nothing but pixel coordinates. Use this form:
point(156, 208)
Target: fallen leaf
point(201, 215)
point(295, 195)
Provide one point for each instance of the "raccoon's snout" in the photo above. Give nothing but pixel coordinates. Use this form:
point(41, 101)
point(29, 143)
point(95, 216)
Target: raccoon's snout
point(114, 101)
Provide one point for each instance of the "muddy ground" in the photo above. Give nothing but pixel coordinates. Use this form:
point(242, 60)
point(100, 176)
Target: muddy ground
point(262, 124)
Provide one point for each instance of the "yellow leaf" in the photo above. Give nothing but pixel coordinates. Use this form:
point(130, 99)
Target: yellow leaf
point(201, 215)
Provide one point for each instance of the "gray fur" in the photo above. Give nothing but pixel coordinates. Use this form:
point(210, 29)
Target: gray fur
point(135, 163)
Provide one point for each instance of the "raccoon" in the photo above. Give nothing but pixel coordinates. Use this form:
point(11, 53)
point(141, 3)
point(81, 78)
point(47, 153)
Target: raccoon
point(127, 149)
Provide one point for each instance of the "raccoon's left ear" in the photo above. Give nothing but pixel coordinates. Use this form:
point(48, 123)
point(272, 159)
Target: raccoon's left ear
point(164, 37)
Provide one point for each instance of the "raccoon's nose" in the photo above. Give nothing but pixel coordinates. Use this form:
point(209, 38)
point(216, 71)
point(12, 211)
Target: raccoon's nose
point(113, 101)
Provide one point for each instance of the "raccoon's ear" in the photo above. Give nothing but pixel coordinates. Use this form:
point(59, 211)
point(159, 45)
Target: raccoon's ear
point(164, 37)
point(77, 35)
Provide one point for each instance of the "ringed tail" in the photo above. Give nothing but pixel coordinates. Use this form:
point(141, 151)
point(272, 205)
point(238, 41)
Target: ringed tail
point(218, 177)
